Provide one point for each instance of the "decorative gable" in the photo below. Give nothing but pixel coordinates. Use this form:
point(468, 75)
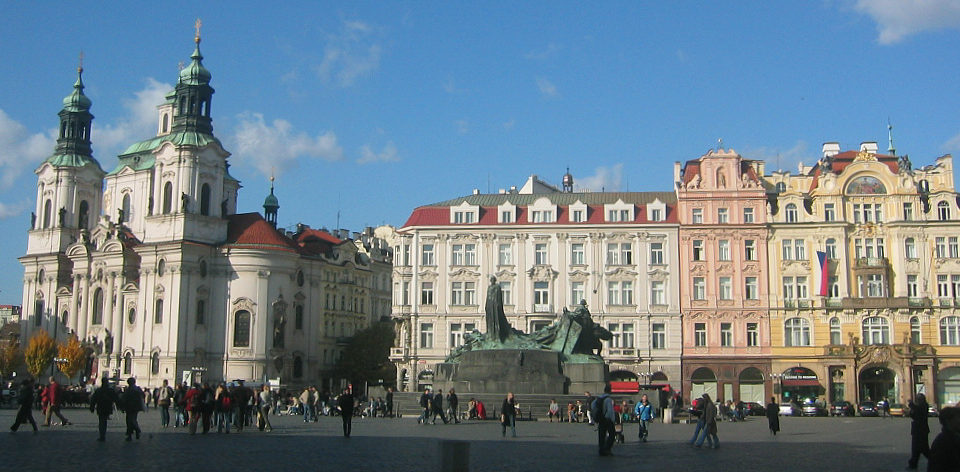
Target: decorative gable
point(464, 213)
point(618, 212)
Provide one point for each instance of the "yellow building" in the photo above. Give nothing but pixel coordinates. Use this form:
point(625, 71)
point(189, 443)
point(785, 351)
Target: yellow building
point(864, 278)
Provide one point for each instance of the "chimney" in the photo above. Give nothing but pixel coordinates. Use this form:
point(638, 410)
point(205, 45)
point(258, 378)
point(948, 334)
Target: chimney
point(831, 149)
point(476, 191)
point(869, 146)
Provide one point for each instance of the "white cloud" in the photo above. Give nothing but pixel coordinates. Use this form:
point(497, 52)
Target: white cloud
point(276, 146)
point(551, 51)
point(463, 126)
point(387, 154)
point(897, 19)
point(19, 149)
point(609, 179)
point(139, 123)
point(953, 144)
point(546, 87)
point(8, 210)
point(350, 54)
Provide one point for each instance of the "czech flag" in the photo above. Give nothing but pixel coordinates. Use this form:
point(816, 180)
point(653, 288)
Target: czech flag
point(824, 273)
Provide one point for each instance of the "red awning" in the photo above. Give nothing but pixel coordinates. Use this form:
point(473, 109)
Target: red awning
point(624, 387)
point(800, 383)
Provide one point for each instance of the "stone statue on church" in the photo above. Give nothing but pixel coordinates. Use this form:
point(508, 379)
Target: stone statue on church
point(279, 323)
point(108, 342)
point(498, 328)
point(62, 213)
point(33, 220)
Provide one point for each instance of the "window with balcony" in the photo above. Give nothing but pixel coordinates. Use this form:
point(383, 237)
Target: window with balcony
point(541, 297)
point(909, 248)
point(656, 253)
point(700, 334)
point(723, 215)
point(619, 254)
point(699, 288)
point(507, 289)
point(867, 213)
point(576, 254)
point(829, 212)
point(871, 285)
point(726, 334)
point(723, 250)
point(753, 334)
point(950, 331)
point(426, 335)
point(796, 332)
point(748, 215)
point(696, 216)
point(914, 330)
point(795, 288)
point(427, 256)
point(751, 289)
point(800, 249)
point(658, 336)
point(505, 254)
point(726, 288)
point(749, 249)
point(620, 293)
point(835, 334)
point(657, 293)
point(790, 213)
point(426, 293)
point(540, 254)
point(577, 292)
point(907, 211)
point(876, 330)
point(830, 248)
point(833, 287)
point(943, 211)
point(698, 254)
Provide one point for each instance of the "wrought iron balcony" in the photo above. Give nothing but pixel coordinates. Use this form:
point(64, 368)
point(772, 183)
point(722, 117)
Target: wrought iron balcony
point(870, 262)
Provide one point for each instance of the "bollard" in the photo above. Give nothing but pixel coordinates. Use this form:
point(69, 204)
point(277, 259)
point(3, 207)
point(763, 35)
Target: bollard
point(454, 456)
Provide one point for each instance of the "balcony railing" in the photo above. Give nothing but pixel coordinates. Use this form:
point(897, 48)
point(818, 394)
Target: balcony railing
point(832, 302)
point(865, 262)
point(543, 308)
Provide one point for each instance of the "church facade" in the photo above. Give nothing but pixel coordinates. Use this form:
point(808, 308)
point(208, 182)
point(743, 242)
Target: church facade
point(151, 264)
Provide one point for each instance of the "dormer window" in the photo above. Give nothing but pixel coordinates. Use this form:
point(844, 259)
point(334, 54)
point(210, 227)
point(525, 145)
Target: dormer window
point(507, 213)
point(463, 217)
point(542, 211)
point(464, 213)
point(618, 212)
point(656, 211)
point(791, 213)
point(578, 212)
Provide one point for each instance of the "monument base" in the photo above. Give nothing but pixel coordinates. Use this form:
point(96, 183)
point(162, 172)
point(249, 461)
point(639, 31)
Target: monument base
point(502, 370)
point(589, 377)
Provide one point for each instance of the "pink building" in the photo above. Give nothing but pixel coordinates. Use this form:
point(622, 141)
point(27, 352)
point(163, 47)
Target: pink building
point(722, 208)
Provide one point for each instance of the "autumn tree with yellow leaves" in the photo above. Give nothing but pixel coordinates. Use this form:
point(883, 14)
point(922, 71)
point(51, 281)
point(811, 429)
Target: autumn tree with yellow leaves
point(10, 358)
point(73, 356)
point(39, 353)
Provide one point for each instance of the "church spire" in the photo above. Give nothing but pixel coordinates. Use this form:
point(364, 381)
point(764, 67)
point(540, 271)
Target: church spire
point(892, 150)
point(193, 94)
point(270, 206)
point(73, 139)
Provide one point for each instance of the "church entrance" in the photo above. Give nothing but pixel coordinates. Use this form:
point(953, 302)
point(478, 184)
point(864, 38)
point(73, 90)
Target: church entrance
point(877, 383)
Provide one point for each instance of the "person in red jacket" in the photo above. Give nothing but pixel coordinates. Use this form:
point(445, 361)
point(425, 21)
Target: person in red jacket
point(53, 395)
point(194, 406)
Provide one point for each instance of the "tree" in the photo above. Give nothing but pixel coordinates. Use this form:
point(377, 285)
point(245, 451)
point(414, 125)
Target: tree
point(10, 358)
point(367, 357)
point(75, 355)
point(39, 353)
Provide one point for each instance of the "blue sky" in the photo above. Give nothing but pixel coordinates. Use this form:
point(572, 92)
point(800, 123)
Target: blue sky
point(374, 108)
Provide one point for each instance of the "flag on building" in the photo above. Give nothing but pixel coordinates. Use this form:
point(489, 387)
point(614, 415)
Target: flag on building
point(824, 273)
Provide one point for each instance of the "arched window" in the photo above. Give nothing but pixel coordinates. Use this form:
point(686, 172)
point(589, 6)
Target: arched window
point(298, 318)
point(127, 363)
point(83, 219)
point(161, 266)
point(183, 105)
point(796, 332)
point(203, 269)
point(126, 208)
point(205, 199)
point(914, 330)
point(781, 187)
point(158, 311)
point(297, 367)
point(835, 337)
point(876, 330)
point(63, 317)
point(166, 123)
point(950, 331)
point(201, 312)
point(241, 329)
point(910, 248)
point(167, 197)
point(943, 211)
point(47, 214)
point(131, 315)
point(155, 363)
point(98, 306)
point(831, 249)
point(38, 307)
point(791, 213)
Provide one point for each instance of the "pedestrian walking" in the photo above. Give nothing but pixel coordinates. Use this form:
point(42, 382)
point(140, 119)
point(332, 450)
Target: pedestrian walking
point(945, 451)
point(180, 405)
point(453, 404)
point(25, 413)
point(208, 404)
point(194, 403)
point(133, 402)
point(697, 410)
point(645, 414)
point(602, 412)
point(54, 394)
point(164, 397)
point(345, 402)
point(425, 399)
point(919, 431)
point(263, 412)
point(709, 423)
point(389, 400)
point(437, 405)
point(224, 412)
point(508, 415)
point(102, 401)
point(773, 416)
point(307, 400)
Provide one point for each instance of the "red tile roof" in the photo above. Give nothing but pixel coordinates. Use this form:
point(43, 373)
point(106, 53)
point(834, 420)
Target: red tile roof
point(840, 161)
point(440, 216)
point(250, 230)
point(315, 242)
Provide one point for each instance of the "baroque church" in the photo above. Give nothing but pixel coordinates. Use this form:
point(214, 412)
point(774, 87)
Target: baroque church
point(153, 268)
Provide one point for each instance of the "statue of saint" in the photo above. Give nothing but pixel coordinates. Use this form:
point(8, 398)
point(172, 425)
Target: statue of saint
point(279, 322)
point(108, 342)
point(497, 325)
point(63, 217)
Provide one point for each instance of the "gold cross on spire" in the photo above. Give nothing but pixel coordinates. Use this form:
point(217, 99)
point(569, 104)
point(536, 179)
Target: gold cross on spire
point(80, 63)
point(198, 24)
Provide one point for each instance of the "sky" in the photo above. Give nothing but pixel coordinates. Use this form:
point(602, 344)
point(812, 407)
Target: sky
point(365, 110)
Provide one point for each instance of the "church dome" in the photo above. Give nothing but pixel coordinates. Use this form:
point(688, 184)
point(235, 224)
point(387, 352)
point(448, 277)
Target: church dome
point(77, 101)
point(195, 73)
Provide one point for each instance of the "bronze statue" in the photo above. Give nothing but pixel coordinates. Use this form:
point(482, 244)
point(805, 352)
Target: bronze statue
point(498, 328)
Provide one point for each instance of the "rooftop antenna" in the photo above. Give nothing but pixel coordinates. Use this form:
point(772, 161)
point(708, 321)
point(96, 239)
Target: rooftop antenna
point(892, 150)
point(779, 167)
point(338, 211)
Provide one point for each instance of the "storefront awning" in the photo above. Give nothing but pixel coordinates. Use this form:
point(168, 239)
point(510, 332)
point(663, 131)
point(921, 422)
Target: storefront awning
point(624, 387)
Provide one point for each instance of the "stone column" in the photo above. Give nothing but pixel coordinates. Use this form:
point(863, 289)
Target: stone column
point(108, 303)
point(74, 309)
point(84, 315)
point(117, 328)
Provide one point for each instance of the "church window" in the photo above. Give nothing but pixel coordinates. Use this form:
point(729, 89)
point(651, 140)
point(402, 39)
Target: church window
point(241, 329)
point(84, 215)
point(98, 306)
point(47, 214)
point(161, 265)
point(126, 208)
point(298, 318)
point(166, 123)
point(297, 367)
point(155, 363)
point(167, 197)
point(158, 311)
point(127, 363)
point(131, 315)
point(201, 312)
point(205, 199)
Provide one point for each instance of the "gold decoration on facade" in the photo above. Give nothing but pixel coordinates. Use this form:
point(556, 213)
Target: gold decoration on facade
point(865, 156)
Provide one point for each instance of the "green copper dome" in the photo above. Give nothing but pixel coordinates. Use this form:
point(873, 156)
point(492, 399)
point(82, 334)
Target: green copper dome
point(77, 101)
point(271, 200)
point(195, 73)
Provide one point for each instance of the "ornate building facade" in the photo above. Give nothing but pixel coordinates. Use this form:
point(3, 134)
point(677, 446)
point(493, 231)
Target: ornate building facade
point(864, 277)
point(549, 249)
point(721, 203)
point(151, 264)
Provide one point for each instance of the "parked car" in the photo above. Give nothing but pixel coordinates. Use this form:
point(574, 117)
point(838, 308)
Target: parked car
point(933, 411)
point(755, 409)
point(789, 409)
point(841, 409)
point(898, 409)
point(869, 409)
point(812, 409)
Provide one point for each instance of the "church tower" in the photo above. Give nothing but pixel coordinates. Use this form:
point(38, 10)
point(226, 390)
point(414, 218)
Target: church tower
point(69, 189)
point(270, 206)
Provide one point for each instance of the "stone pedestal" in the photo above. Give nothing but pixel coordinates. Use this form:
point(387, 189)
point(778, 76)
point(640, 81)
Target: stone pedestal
point(586, 377)
point(503, 370)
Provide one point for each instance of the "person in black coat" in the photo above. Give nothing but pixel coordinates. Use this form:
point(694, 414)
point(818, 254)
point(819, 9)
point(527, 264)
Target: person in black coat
point(437, 405)
point(103, 400)
point(453, 403)
point(919, 431)
point(389, 412)
point(773, 415)
point(345, 402)
point(25, 413)
point(945, 451)
point(133, 403)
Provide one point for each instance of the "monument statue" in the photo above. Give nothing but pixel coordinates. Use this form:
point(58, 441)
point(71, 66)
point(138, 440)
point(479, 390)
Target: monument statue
point(108, 342)
point(498, 328)
point(575, 333)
